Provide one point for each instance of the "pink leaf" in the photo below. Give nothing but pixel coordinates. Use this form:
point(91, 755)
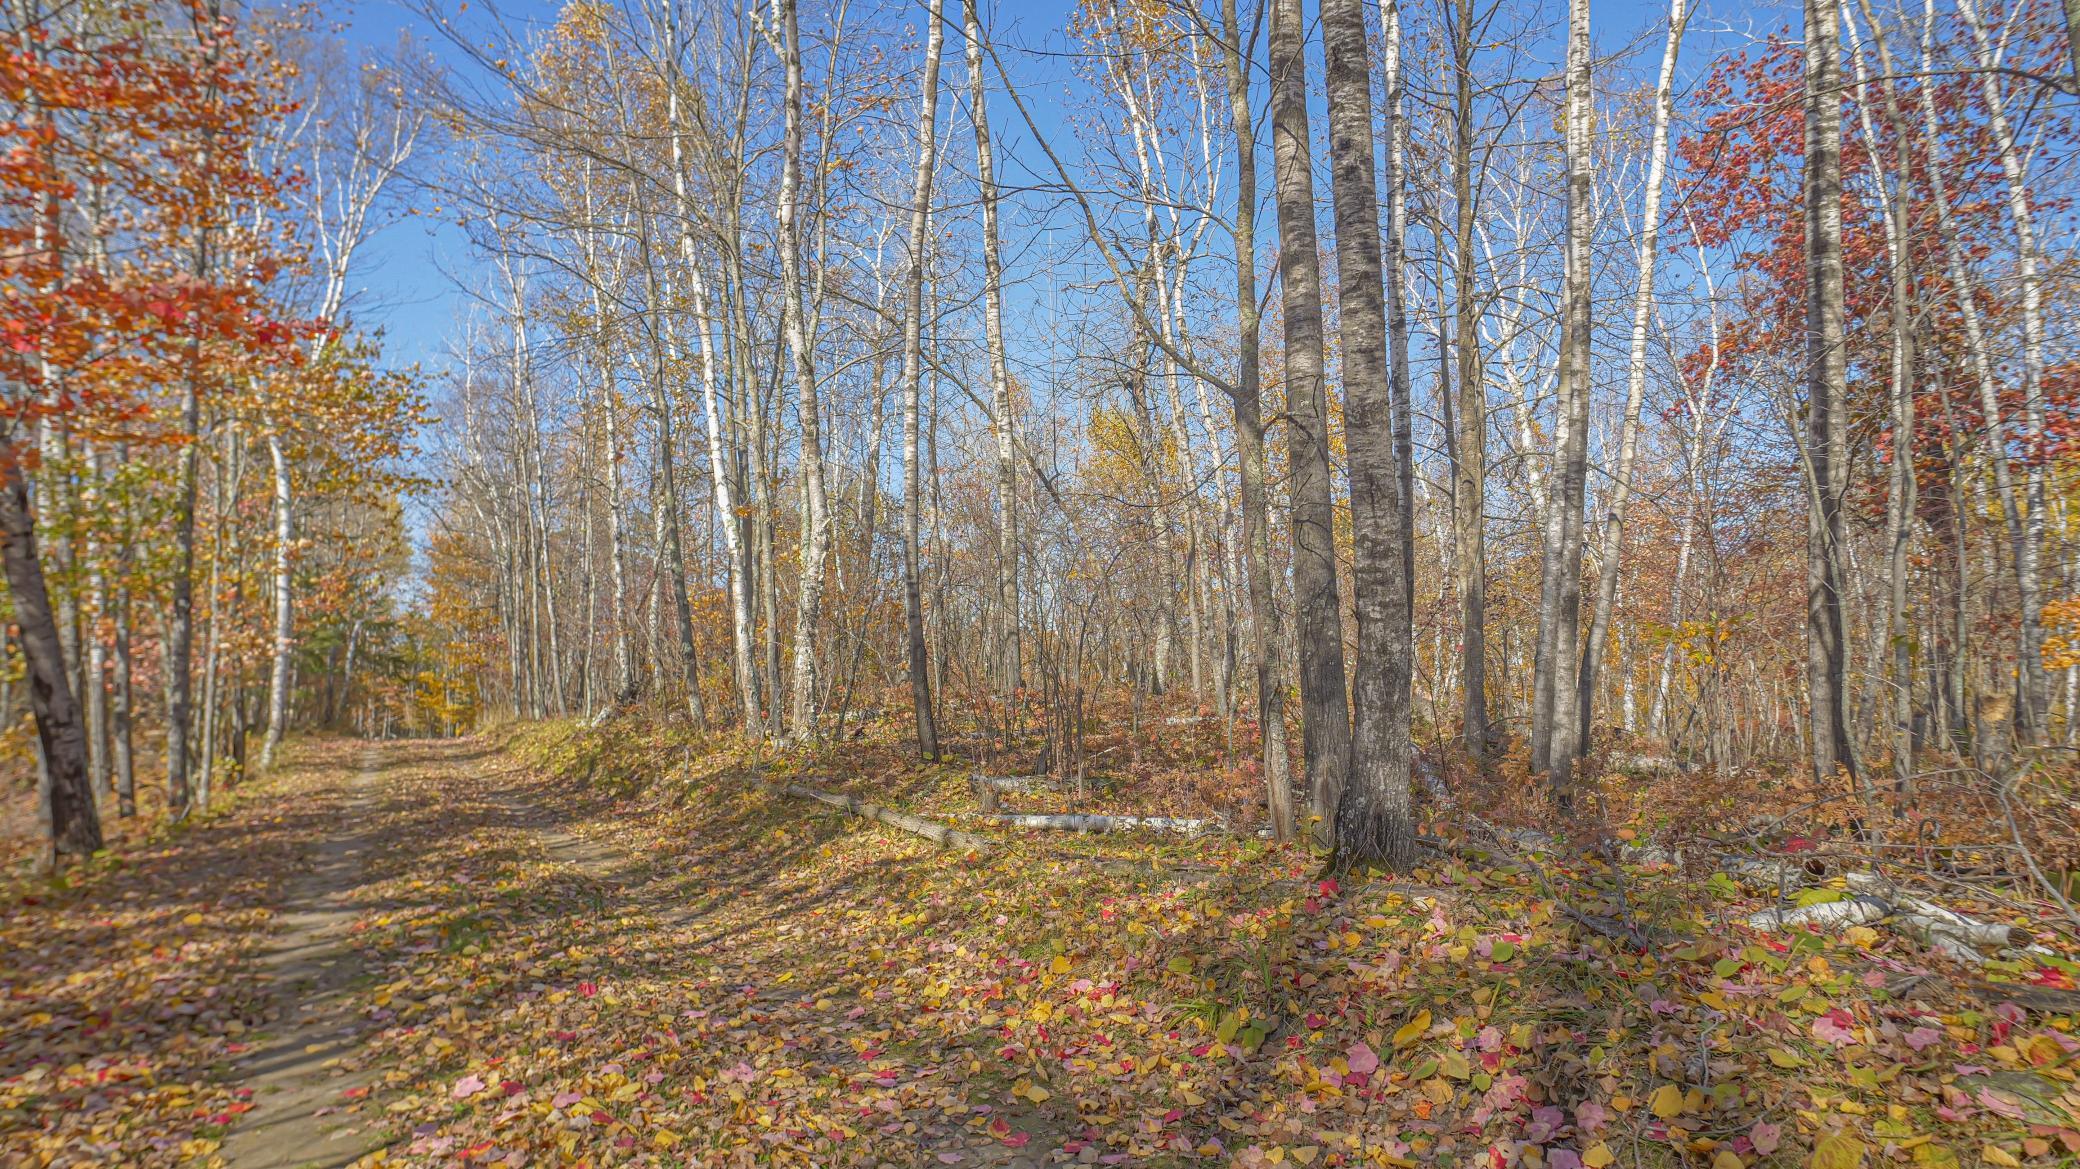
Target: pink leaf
point(1765, 1137)
point(1922, 1038)
point(1362, 1059)
point(2001, 1105)
point(466, 1087)
point(1833, 1028)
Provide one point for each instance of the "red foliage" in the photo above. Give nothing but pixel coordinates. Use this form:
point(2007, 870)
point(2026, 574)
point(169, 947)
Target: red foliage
point(135, 237)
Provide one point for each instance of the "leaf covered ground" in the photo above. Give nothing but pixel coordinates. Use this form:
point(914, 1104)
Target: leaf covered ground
point(607, 948)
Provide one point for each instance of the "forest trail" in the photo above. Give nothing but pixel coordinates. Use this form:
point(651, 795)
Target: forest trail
point(296, 1075)
point(325, 1089)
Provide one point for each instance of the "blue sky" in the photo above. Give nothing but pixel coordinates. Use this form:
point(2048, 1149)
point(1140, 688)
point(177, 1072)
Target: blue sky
point(406, 282)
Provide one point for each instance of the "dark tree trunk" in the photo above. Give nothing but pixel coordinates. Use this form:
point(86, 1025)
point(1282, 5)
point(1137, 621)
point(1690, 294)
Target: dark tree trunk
point(180, 625)
point(1372, 819)
point(1326, 729)
point(75, 822)
point(1266, 636)
point(1470, 488)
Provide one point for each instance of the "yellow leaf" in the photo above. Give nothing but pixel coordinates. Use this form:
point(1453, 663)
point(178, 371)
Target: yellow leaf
point(1666, 1102)
point(192, 919)
point(1785, 1059)
point(1995, 1155)
point(1837, 1150)
point(1598, 1155)
point(1728, 1159)
point(664, 1138)
point(1306, 1154)
point(1622, 1103)
point(1861, 935)
point(1413, 1030)
point(1060, 965)
point(1038, 1094)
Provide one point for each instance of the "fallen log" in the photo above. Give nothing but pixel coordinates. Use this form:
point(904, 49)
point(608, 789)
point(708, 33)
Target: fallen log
point(1078, 822)
point(1854, 911)
point(990, 789)
point(1929, 917)
point(1023, 784)
point(932, 830)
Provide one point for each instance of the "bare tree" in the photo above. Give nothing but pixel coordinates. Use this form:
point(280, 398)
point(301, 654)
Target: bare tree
point(1373, 821)
point(1825, 435)
point(1326, 724)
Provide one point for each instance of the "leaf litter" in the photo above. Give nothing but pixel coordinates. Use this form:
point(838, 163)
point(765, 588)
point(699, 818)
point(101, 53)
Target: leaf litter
point(693, 971)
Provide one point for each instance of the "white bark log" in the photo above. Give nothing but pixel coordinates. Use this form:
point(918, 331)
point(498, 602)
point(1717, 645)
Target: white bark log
point(931, 830)
point(1078, 822)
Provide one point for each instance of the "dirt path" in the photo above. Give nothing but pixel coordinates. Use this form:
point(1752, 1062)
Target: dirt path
point(301, 1070)
point(458, 902)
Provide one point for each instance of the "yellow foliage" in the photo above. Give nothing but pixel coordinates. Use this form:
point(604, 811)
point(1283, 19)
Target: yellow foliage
point(2061, 619)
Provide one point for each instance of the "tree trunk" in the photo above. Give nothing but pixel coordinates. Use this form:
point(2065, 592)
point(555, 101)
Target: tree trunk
point(1469, 497)
point(744, 666)
point(1266, 636)
point(121, 705)
point(917, 655)
point(1397, 300)
point(815, 504)
point(284, 605)
point(1373, 819)
point(99, 739)
point(1326, 724)
point(1007, 651)
point(723, 445)
point(75, 823)
point(1901, 487)
point(1612, 546)
point(1826, 436)
point(180, 626)
point(2036, 691)
point(1560, 595)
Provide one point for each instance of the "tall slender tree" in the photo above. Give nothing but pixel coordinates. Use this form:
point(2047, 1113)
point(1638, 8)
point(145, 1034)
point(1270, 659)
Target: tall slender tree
point(1373, 821)
point(1825, 437)
point(1317, 601)
point(916, 651)
point(1003, 421)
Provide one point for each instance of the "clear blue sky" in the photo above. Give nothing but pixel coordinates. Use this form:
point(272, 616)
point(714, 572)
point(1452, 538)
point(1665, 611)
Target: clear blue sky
point(406, 282)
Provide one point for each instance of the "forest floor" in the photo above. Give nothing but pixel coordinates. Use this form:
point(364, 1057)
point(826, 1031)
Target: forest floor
point(590, 948)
